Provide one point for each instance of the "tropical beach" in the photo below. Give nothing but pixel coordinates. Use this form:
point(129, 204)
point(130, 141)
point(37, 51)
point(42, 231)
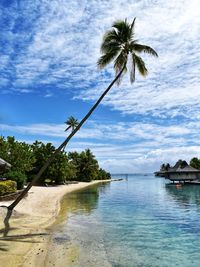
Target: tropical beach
point(139, 221)
point(99, 133)
point(32, 217)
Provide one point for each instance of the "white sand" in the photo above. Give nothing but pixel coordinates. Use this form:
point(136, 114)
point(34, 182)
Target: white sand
point(33, 215)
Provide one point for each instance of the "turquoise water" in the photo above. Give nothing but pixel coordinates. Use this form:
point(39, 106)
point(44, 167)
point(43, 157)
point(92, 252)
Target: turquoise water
point(139, 222)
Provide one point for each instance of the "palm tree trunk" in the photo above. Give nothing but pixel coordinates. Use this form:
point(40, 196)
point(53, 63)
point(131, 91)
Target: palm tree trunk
point(67, 128)
point(48, 162)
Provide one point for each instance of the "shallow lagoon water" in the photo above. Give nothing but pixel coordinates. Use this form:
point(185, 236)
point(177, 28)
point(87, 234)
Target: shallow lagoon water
point(139, 222)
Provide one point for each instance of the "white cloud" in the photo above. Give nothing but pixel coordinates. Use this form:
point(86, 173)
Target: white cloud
point(172, 86)
point(113, 131)
point(64, 47)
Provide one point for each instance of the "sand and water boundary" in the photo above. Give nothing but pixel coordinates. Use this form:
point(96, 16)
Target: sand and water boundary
point(27, 241)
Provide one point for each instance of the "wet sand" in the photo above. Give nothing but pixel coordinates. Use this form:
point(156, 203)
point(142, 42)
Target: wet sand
point(27, 241)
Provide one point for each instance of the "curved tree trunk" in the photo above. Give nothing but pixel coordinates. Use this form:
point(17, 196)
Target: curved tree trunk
point(48, 162)
point(63, 149)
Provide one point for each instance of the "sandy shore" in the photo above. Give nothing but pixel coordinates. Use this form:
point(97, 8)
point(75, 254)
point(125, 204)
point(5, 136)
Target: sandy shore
point(27, 240)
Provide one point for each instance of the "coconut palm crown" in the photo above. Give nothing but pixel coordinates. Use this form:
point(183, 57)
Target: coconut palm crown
point(72, 123)
point(119, 44)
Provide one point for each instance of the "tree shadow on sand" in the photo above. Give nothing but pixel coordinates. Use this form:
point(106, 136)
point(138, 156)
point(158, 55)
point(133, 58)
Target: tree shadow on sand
point(3, 247)
point(6, 222)
point(15, 238)
point(21, 238)
point(7, 227)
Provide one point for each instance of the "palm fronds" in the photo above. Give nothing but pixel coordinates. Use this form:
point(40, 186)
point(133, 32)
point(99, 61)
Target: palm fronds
point(144, 49)
point(140, 65)
point(119, 45)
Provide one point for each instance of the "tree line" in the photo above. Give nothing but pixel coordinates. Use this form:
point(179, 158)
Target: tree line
point(27, 159)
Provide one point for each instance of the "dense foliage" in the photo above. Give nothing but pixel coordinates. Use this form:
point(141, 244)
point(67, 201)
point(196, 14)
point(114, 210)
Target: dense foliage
point(165, 167)
point(27, 159)
point(60, 169)
point(195, 163)
point(87, 167)
point(18, 154)
point(19, 177)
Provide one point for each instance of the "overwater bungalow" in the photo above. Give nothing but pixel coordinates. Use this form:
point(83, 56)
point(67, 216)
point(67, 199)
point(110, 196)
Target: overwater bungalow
point(182, 172)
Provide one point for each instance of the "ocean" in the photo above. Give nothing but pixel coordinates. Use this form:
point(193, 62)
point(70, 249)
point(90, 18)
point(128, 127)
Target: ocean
point(139, 222)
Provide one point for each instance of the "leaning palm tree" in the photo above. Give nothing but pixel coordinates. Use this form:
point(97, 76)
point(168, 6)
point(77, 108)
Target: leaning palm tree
point(72, 123)
point(119, 45)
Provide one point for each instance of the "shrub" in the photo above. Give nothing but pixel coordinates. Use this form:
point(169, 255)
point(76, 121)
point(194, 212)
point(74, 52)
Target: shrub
point(17, 176)
point(7, 187)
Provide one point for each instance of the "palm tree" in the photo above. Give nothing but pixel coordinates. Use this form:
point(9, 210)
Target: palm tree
point(72, 123)
point(118, 45)
point(86, 165)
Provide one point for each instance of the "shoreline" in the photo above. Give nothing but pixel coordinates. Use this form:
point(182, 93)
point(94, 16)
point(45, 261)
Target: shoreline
point(30, 222)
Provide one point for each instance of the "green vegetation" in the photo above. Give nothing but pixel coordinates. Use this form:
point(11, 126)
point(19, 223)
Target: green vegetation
point(87, 167)
point(18, 154)
point(17, 176)
point(195, 163)
point(119, 45)
point(165, 167)
point(103, 175)
point(29, 160)
point(7, 187)
point(60, 169)
point(71, 123)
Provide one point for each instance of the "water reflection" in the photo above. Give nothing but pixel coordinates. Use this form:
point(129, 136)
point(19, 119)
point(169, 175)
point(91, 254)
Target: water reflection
point(69, 237)
point(83, 201)
point(184, 195)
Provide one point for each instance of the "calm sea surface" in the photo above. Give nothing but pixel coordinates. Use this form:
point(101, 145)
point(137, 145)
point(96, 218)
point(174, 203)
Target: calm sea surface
point(139, 222)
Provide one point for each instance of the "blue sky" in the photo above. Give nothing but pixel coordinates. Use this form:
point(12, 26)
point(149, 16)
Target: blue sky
point(48, 72)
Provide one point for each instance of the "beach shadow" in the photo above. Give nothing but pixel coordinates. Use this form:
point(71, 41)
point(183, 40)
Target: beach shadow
point(6, 222)
point(3, 247)
point(23, 237)
point(16, 238)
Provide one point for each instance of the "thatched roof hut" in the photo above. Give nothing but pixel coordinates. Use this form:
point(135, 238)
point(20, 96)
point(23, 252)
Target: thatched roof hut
point(4, 165)
point(182, 172)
